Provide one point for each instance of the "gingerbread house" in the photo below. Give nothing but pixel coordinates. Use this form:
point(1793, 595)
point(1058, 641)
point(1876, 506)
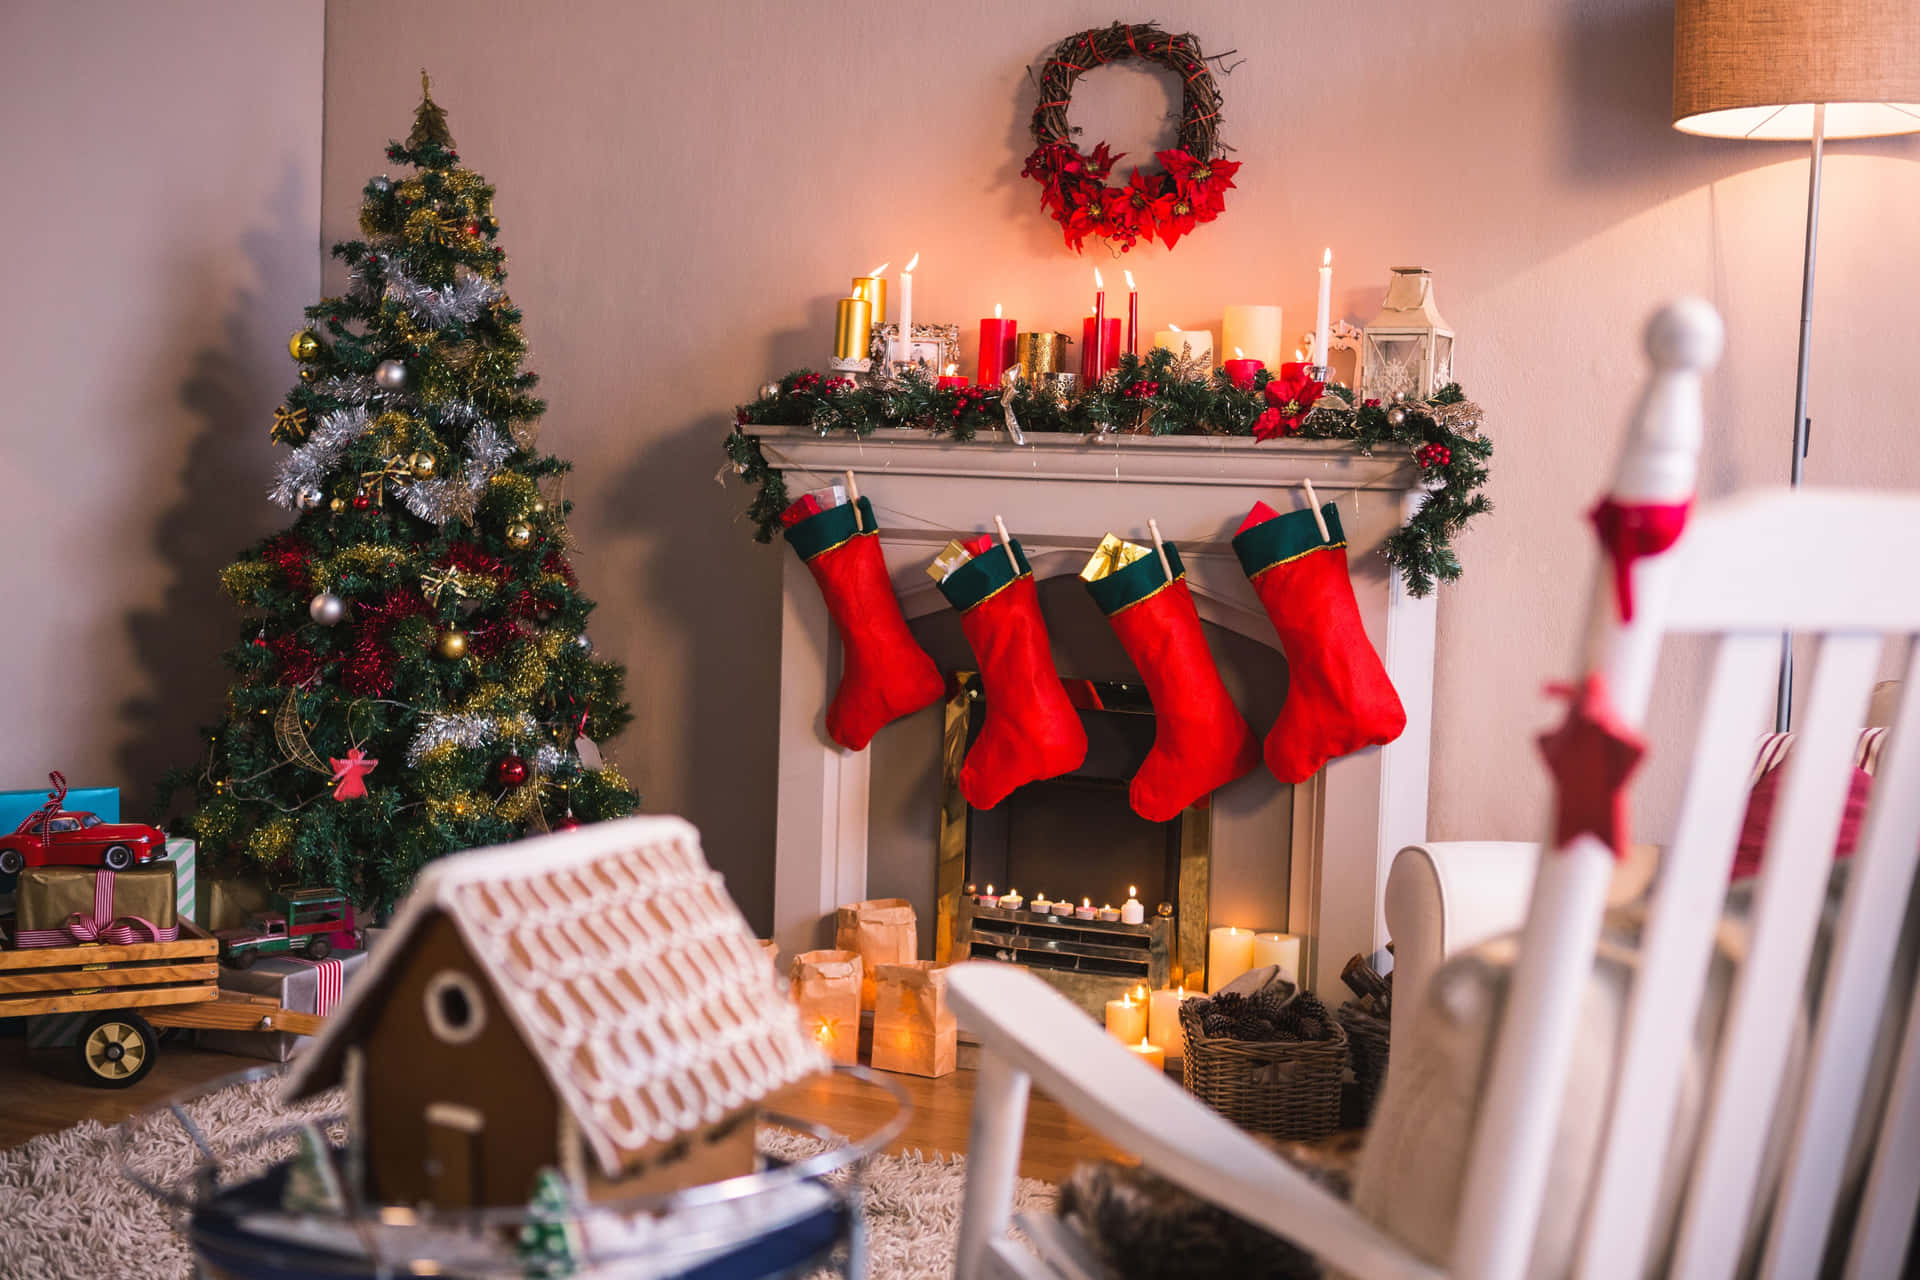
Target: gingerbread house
point(591, 1001)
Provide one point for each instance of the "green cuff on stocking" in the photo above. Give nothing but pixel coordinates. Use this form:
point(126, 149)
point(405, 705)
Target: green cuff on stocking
point(983, 576)
point(1126, 587)
point(1284, 538)
point(825, 530)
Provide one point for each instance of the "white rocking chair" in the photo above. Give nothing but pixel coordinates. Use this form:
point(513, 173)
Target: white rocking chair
point(1743, 571)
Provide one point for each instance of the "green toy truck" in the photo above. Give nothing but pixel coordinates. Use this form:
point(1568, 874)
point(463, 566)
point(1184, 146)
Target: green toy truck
point(309, 922)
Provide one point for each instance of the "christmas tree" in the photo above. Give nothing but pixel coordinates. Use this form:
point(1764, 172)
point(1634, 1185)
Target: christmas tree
point(414, 676)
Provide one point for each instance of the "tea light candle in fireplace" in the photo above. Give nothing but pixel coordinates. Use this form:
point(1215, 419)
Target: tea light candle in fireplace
point(1011, 900)
point(1108, 913)
point(1282, 949)
point(1151, 1054)
point(1229, 954)
point(1085, 911)
point(1131, 912)
point(1126, 1019)
point(989, 898)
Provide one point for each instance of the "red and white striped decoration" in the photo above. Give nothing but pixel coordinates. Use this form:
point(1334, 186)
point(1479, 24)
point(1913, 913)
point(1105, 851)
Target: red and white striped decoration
point(331, 980)
point(101, 926)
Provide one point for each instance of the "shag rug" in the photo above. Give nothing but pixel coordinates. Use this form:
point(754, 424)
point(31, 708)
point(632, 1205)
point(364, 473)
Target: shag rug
point(66, 1211)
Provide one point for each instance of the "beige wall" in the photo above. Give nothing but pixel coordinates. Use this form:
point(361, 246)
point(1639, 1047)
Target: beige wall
point(159, 212)
point(685, 188)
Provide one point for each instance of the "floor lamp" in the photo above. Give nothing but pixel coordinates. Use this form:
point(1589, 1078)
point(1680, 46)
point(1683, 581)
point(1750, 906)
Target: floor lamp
point(1797, 71)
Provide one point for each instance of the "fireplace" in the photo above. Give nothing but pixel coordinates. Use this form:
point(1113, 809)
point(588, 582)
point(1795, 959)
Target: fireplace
point(1310, 859)
point(1076, 833)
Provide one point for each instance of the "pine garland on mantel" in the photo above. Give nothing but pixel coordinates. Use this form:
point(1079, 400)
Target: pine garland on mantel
point(1159, 393)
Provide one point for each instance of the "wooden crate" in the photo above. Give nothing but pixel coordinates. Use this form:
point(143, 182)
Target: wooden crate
point(94, 976)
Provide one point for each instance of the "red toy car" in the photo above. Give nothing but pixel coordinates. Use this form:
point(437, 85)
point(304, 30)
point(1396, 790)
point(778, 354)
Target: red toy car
point(56, 837)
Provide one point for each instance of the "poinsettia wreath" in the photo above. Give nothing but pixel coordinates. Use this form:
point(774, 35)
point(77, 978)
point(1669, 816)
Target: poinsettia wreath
point(1165, 204)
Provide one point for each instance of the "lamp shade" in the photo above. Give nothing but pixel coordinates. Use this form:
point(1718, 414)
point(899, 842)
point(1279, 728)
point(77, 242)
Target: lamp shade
point(1756, 68)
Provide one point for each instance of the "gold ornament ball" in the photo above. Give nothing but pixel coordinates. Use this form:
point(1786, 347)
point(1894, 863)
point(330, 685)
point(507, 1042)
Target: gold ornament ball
point(519, 535)
point(539, 507)
point(304, 345)
point(337, 505)
point(453, 645)
point(422, 465)
point(308, 373)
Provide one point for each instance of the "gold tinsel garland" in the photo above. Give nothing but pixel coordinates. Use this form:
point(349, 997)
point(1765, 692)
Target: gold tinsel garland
point(244, 579)
point(271, 841)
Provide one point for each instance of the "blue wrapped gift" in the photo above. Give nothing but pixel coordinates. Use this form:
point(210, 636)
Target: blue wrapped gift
point(15, 806)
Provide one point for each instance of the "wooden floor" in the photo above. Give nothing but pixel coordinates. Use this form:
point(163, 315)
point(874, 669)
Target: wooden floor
point(41, 1092)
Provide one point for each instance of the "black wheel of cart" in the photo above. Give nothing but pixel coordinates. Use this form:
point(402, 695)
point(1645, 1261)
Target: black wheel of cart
point(117, 1049)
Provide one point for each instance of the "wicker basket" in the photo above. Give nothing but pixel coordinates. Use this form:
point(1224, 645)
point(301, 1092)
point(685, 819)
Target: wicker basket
point(1288, 1089)
point(1367, 1039)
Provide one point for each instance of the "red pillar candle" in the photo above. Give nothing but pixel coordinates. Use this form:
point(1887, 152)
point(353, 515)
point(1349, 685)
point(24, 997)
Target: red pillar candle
point(1099, 323)
point(1240, 372)
point(951, 381)
point(996, 348)
point(1108, 352)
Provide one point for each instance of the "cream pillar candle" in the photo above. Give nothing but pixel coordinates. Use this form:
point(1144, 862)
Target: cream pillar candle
point(1151, 1054)
point(1282, 949)
point(1321, 356)
point(1255, 330)
point(1229, 954)
point(1126, 1019)
point(906, 309)
point(1199, 342)
point(1163, 1020)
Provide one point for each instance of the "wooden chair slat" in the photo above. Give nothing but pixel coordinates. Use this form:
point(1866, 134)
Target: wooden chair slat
point(1882, 1236)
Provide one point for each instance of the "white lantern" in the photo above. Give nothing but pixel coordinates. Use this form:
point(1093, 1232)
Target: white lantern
point(1407, 350)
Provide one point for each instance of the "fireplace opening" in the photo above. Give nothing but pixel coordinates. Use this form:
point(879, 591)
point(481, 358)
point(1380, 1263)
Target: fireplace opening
point(1073, 839)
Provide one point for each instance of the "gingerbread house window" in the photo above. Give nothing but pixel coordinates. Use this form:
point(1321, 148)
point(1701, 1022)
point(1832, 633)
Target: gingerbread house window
point(455, 1010)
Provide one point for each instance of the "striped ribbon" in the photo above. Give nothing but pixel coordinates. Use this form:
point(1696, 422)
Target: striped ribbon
point(330, 980)
point(80, 927)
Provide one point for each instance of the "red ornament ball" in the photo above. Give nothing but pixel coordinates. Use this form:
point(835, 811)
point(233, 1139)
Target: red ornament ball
point(568, 823)
point(361, 502)
point(473, 228)
point(511, 771)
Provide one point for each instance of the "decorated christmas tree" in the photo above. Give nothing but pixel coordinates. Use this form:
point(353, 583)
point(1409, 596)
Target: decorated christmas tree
point(414, 675)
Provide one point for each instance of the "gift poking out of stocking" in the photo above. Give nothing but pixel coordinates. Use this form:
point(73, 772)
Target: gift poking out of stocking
point(885, 674)
point(1031, 730)
point(1339, 699)
point(1201, 742)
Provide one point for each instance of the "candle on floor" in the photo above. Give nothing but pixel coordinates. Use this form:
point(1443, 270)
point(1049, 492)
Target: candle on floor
point(1282, 949)
point(1255, 330)
point(996, 348)
point(1085, 910)
point(1240, 369)
point(906, 310)
point(1163, 1020)
point(873, 287)
point(1109, 914)
point(1229, 954)
point(1011, 900)
point(1126, 1019)
point(1133, 316)
point(1151, 1054)
point(1321, 356)
point(1131, 912)
point(1197, 342)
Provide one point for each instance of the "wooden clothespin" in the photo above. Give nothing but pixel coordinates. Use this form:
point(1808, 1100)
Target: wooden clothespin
point(853, 496)
point(1313, 505)
point(1006, 543)
point(1166, 566)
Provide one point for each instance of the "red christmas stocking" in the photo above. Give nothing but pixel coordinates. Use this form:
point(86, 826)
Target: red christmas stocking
point(1338, 696)
point(1201, 742)
point(1031, 731)
point(886, 673)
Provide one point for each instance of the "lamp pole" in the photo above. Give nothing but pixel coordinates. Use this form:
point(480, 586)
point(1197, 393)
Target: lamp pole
point(1783, 701)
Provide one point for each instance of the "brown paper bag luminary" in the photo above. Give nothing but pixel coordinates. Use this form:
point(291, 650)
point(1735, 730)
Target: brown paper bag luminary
point(880, 931)
point(826, 989)
point(914, 1029)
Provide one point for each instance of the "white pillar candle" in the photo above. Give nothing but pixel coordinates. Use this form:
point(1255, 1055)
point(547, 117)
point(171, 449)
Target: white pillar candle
point(1255, 330)
point(906, 308)
point(1085, 911)
point(1151, 1054)
point(1199, 342)
point(1321, 356)
point(1229, 954)
point(1163, 1020)
point(1282, 949)
point(1131, 912)
point(1126, 1019)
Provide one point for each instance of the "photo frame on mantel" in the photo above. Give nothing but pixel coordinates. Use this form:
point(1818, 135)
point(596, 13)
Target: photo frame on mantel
point(935, 346)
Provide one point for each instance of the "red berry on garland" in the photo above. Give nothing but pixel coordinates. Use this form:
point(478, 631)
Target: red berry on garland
point(511, 771)
point(1433, 455)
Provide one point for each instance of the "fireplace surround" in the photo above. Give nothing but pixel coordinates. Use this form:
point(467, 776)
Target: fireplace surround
point(1310, 859)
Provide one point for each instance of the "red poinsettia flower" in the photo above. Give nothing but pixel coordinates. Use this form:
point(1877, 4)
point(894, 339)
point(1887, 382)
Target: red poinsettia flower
point(1085, 214)
point(1290, 398)
point(1123, 221)
point(1150, 200)
point(1101, 162)
point(1203, 182)
point(1180, 219)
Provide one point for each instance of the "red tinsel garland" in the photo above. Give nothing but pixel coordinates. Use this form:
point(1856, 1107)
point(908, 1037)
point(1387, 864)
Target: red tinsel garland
point(368, 670)
point(298, 663)
point(293, 558)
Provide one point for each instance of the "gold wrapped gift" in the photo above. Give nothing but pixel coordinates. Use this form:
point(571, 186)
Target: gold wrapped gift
point(48, 896)
point(1112, 555)
point(950, 558)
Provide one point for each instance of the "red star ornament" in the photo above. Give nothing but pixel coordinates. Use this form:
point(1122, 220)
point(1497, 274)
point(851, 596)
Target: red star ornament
point(1591, 756)
point(351, 774)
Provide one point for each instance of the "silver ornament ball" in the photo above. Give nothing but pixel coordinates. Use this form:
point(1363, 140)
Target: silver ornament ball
point(311, 497)
point(391, 375)
point(769, 390)
point(1396, 416)
point(327, 608)
point(583, 642)
point(382, 184)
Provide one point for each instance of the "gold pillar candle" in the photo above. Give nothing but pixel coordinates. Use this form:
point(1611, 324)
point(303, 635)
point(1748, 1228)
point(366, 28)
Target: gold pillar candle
point(852, 322)
point(874, 290)
point(1040, 354)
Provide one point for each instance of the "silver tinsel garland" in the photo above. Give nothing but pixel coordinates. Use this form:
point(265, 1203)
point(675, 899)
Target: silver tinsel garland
point(441, 305)
point(308, 465)
point(456, 497)
point(467, 730)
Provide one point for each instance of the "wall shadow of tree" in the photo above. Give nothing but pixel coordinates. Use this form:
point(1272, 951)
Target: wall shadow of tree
point(231, 388)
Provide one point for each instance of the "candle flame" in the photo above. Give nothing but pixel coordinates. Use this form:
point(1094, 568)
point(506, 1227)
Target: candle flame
point(1131, 286)
point(1326, 259)
point(1132, 892)
point(996, 311)
point(1098, 283)
point(879, 270)
point(912, 262)
point(1238, 354)
point(1298, 354)
point(1086, 902)
point(1174, 328)
point(1141, 991)
point(989, 891)
point(952, 369)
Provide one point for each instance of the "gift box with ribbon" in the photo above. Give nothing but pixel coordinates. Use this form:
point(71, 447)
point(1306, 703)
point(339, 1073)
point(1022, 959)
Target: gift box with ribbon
point(185, 857)
point(299, 984)
point(67, 906)
point(16, 805)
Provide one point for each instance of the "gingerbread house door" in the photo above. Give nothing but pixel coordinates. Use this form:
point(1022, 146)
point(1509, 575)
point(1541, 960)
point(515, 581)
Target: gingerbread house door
point(454, 1136)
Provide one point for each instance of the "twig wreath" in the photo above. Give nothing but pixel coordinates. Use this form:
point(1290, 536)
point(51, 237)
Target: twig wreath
point(1190, 186)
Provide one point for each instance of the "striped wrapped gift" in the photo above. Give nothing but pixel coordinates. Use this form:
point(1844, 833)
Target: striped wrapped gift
point(184, 855)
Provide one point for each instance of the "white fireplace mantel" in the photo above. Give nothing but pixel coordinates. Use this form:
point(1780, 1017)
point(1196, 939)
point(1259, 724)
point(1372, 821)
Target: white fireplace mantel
point(1058, 495)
